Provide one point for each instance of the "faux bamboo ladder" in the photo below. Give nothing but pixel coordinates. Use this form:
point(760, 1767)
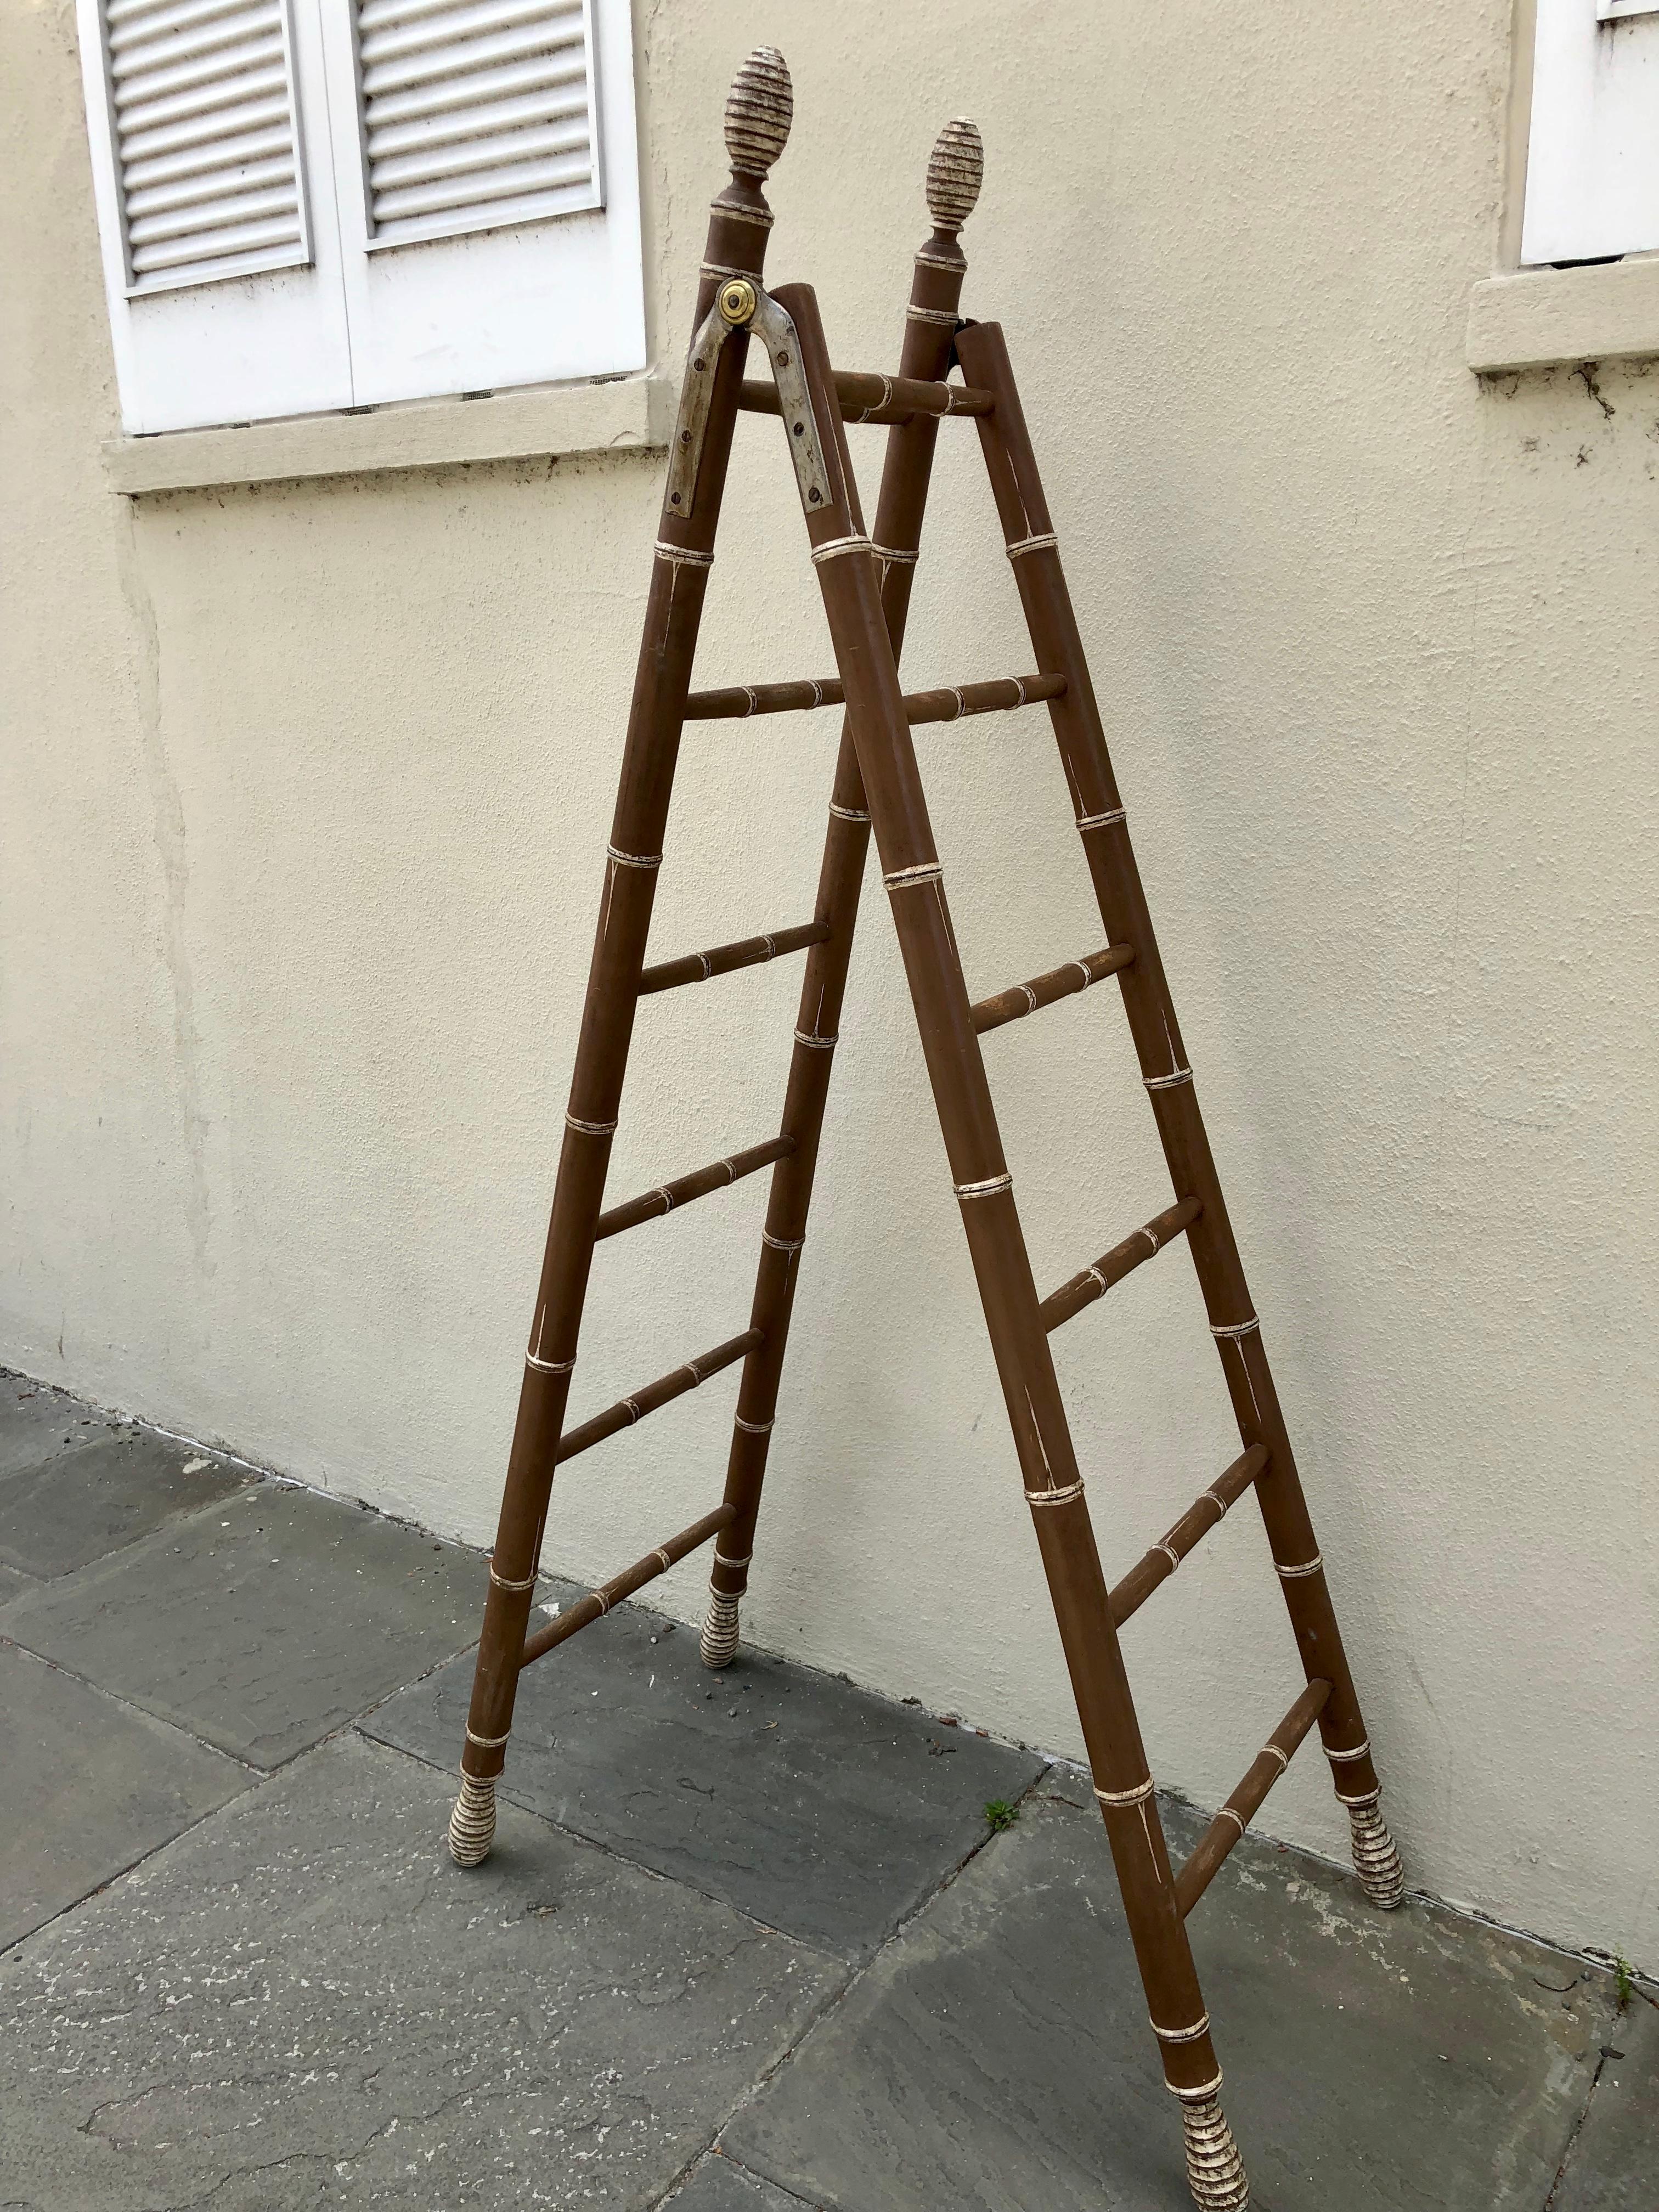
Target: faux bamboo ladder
point(865, 580)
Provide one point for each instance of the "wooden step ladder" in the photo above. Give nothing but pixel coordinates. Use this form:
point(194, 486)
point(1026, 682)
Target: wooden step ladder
point(865, 581)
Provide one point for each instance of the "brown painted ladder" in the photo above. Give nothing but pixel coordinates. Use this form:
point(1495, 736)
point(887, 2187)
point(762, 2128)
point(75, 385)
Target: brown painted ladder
point(866, 585)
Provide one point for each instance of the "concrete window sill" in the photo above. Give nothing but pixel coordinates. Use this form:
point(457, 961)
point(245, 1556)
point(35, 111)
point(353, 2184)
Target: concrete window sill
point(631, 414)
point(1540, 318)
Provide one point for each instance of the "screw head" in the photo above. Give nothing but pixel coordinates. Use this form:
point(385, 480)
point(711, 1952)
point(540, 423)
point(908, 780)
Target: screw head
point(736, 302)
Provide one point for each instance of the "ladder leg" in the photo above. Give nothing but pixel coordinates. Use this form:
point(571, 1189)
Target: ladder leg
point(935, 293)
point(1052, 621)
point(848, 574)
point(684, 551)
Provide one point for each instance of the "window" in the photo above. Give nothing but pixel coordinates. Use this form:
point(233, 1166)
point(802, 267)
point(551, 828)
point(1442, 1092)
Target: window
point(1593, 157)
point(311, 205)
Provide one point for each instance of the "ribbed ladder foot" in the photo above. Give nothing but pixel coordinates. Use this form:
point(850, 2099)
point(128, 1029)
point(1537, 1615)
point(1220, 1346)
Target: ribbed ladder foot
point(1375, 1856)
point(719, 1646)
point(473, 1823)
point(1215, 2172)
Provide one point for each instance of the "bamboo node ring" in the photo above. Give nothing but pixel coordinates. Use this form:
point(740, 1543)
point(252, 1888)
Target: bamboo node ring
point(945, 315)
point(818, 1043)
point(754, 1429)
point(518, 1589)
point(1135, 1797)
point(848, 813)
point(548, 1366)
point(1168, 1082)
point(990, 1187)
point(1040, 543)
point(1360, 1751)
point(896, 553)
point(1294, 1574)
point(589, 1128)
point(486, 1742)
point(634, 859)
point(1228, 1813)
point(1226, 1329)
point(781, 1244)
point(833, 547)
point(1054, 1497)
point(924, 872)
point(1199, 2026)
point(685, 556)
point(1102, 821)
point(1194, 2096)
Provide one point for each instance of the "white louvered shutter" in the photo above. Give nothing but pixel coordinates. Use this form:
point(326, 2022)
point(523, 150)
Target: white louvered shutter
point(204, 122)
point(475, 114)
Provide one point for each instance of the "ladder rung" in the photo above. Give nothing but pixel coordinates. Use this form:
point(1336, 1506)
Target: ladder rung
point(951, 701)
point(600, 1602)
point(1206, 1512)
point(869, 398)
point(656, 1394)
point(1242, 1808)
point(721, 959)
point(698, 1184)
point(948, 703)
point(1022, 999)
point(738, 700)
point(1122, 1259)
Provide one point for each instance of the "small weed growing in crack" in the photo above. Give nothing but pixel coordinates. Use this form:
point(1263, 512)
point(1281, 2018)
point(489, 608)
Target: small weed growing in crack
point(1000, 1815)
point(1623, 1975)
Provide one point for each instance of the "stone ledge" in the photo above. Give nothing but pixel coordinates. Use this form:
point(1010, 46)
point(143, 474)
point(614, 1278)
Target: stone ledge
point(630, 414)
point(1539, 319)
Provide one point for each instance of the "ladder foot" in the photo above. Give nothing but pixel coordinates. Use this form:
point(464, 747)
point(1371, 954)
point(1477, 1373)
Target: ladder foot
point(719, 1646)
point(1375, 1856)
point(473, 1823)
point(1215, 2172)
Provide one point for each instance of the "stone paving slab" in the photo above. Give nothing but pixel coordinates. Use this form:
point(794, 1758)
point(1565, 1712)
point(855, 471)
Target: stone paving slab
point(1613, 2164)
point(997, 2054)
point(302, 2004)
point(718, 2185)
point(36, 1422)
point(88, 1787)
point(93, 1499)
point(13, 1583)
point(817, 1807)
point(262, 1624)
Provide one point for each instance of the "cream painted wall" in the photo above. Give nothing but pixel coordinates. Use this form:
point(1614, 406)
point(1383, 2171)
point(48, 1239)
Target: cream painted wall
point(304, 798)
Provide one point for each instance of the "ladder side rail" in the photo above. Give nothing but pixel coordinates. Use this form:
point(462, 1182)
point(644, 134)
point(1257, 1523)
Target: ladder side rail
point(935, 295)
point(848, 577)
point(740, 221)
point(1034, 555)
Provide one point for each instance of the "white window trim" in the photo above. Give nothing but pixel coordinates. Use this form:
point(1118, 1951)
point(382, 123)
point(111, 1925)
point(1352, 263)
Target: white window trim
point(1523, 319)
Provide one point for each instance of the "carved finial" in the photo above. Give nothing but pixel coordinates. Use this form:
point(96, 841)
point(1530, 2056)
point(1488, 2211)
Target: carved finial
point(759, 109)
point(956, 170)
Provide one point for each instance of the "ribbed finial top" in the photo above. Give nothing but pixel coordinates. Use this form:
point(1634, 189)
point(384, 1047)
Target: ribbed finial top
point(759, 109)
point(956, 170)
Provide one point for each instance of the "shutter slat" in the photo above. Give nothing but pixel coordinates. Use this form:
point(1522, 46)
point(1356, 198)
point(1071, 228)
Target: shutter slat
point(458, 123)
point(514, 182)
point(229, 243)
point(142, 172)
point(474, 112)
point(479, 86)
point(207, 151)
point(460, 157)
point(463, 26)
point(208, 188)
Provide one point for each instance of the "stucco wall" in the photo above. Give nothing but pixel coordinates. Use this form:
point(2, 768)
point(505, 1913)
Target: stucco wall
point(304, 798)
